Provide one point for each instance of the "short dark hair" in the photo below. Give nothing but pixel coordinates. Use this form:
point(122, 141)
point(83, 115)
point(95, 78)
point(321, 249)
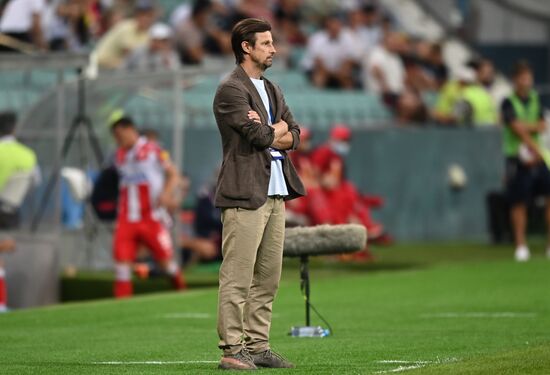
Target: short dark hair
point(245, 31)
point(8, 119)
point(123, 122)
point(520, 67)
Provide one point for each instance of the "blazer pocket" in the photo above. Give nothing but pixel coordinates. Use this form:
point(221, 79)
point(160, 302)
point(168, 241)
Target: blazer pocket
point(237, 179)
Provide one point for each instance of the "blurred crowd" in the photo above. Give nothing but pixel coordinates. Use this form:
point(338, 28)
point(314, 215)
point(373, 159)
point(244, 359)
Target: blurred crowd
point(343, 45)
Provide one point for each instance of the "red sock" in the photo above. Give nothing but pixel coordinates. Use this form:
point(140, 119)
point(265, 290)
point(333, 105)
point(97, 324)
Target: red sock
point(178, 281)
point(3, 291)
point(123, 289)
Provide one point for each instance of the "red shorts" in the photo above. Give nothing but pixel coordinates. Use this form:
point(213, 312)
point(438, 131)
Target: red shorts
point(153, 234)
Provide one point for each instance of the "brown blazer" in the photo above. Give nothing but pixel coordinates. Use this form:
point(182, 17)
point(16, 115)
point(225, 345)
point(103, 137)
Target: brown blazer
point(244, 176)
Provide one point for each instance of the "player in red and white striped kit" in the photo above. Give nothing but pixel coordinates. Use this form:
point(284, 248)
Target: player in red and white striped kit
point(147, 181)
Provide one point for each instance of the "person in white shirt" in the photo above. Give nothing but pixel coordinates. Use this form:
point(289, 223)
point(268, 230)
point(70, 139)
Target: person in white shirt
point(331, 56)
point(158, 54)
point(384, 72)
point(21, 21)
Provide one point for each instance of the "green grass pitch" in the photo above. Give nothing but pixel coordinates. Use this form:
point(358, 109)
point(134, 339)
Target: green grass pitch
point(433, 309)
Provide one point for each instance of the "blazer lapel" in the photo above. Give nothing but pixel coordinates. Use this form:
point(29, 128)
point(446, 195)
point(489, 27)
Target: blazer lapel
point(259, 105)
point(274, 100)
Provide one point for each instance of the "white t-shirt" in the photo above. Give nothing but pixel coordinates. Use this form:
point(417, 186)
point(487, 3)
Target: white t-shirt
point(392, 68)
point(277, 184)
point(332, 52)
point(17, 16)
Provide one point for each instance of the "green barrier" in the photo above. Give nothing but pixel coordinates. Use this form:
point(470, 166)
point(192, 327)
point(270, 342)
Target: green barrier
point(409, 168)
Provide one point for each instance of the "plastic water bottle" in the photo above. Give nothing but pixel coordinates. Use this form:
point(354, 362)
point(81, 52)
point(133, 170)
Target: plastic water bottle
point(309, 332)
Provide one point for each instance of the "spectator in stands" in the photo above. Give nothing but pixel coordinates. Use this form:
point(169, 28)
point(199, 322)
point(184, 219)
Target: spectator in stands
point(126, 36)
point(365, 28)
point(197, 35)
point(21, 23)
point(384, 72)
point(70, 24)
point(331, 56)
point(15, 158)
point(289, 19)
point(447, 110)
point(158, 54)
point(410, 109)
point(429, 56)
point(478, 106)
point(527, 173)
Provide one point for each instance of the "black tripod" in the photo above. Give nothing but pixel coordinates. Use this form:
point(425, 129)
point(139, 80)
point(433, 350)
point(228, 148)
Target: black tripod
point(81, 122)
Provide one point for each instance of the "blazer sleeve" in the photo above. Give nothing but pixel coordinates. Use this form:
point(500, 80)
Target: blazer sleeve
point(293, 126)
point(231, 108)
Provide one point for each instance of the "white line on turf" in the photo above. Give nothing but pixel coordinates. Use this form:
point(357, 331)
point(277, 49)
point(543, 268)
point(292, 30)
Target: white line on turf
point(189, 315)
point(410, 365)
point(496, 315)
point(402, 368)
point(151, 362)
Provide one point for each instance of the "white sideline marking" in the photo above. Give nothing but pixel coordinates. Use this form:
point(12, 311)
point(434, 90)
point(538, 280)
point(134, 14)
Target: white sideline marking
point(481, 315)
point(401, 368)
point(405, 362)
point(187, 316)
point(411, 365)
point(151, 362)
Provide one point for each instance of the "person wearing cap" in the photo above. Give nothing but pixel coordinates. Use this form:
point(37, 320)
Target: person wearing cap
point(312, 209)
point(126, 36)
point(158, 54)
point(444, 111)
point(345, 202)
point(478, 106)
point(527, 171)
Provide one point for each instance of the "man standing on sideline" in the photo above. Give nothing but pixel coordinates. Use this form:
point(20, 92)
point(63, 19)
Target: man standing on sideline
point(526, 171)
point(147, 182)
point(256, 128)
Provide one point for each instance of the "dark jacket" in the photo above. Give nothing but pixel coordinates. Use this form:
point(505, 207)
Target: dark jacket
point(244, 176)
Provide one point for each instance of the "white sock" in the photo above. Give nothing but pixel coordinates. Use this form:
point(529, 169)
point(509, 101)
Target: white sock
point(123, 272)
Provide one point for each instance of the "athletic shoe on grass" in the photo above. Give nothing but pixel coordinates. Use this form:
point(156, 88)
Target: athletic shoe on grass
point(270, 359)
point(522, 254)
point(240, 361)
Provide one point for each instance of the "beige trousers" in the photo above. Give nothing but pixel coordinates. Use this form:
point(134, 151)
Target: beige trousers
point(252, 249)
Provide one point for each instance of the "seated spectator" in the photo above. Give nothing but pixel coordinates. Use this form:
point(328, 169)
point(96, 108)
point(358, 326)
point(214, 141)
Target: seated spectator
point(256, 9)
point(433, 63)
point(197, 35)
point(126, 36)
point(289, 18)
point(410, 108)
point(21, 23)
point(313, 208)
point(478, 106)
point(449, 98)
point(157, 55)
point(203, 243)
point(14, 158)
point(344, 204)
point(331, 56)
point(384, 72)
point(365, 27)
point(71, 24)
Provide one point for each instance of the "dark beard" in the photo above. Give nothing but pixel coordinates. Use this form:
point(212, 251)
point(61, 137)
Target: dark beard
point(262, 65)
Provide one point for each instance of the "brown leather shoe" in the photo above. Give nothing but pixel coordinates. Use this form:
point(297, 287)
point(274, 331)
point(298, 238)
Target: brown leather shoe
point(270, 359)
point(239, 361)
